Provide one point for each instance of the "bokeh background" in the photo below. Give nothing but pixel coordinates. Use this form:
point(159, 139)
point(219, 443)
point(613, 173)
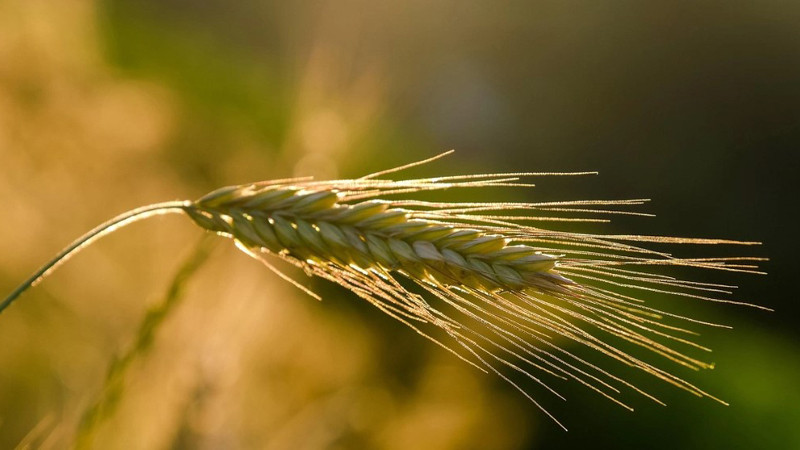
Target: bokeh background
point(106, 105)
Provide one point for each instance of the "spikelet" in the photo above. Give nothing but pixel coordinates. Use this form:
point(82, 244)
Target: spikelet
point(505, 296)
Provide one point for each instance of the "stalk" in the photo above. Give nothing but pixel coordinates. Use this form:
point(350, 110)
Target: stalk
point(101, 230)
point(113, 387)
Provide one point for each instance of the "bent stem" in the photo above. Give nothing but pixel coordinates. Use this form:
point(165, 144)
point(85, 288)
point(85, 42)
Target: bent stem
point(101, 230)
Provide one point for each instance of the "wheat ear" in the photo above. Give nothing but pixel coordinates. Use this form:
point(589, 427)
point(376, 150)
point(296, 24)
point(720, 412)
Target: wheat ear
point(509, 296)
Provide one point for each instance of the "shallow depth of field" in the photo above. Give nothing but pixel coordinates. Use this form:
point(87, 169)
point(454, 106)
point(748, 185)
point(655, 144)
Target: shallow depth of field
point(106, 105)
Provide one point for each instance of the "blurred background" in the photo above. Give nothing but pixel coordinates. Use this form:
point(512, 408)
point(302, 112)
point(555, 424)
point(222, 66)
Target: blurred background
point(106, 105)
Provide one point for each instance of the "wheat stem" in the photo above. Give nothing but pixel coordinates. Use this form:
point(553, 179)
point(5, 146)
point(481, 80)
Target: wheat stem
point(111, 392)
point(101, 230)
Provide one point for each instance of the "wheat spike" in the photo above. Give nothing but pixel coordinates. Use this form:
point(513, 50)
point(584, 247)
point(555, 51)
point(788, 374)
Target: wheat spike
point(508, 296)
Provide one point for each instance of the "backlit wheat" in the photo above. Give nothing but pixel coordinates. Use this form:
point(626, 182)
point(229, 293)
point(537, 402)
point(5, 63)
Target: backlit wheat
point(505, 296)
